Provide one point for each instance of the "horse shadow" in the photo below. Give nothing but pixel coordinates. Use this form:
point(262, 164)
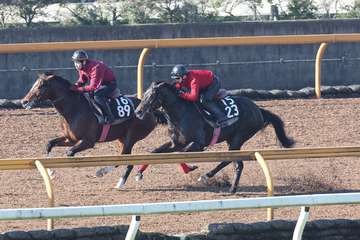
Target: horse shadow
point(248, 190)
point(244, 191)
point(284, 191)
point(29, 114)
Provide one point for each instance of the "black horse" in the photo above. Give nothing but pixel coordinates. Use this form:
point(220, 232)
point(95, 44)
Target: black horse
point(190, 132)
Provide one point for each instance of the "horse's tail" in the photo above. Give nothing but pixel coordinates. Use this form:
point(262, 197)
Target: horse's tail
point(278, 124)
point(160, 117)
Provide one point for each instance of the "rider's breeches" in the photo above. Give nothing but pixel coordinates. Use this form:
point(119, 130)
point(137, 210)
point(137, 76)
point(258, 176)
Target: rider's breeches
point(103, 92)
point(210, 93)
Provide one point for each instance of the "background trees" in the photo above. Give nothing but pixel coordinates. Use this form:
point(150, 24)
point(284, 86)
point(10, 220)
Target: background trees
point(301, 9)
point(352, 10)
point(110, 12)
point(27, 10)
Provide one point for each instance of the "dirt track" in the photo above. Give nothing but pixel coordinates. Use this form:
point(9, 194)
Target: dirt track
point(312, 123)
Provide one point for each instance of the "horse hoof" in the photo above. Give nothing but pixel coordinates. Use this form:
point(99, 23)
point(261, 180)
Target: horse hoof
point(192, 168)
point(203, 179)
point(120, 184)
point(70, 153)
point(99, 173)
point(232, 190)
point(139, 176)
point(105, 170)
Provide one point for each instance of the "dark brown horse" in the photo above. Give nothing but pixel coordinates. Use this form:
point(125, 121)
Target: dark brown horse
point(80, 126)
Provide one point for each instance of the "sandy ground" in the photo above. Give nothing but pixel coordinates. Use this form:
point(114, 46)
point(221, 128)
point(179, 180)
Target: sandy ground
point(312, 123)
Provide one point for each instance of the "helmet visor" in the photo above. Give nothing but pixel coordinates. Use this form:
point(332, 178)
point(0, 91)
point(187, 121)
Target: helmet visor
point(175, 77)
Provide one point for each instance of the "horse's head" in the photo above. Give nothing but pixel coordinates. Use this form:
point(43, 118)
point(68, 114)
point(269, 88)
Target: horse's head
point(44, 88)
point(154, 97)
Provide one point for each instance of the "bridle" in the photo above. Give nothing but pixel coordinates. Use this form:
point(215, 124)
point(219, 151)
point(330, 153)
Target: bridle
point(42, 89)
point(57, 100)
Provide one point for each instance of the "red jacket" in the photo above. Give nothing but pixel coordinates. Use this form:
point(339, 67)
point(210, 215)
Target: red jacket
point(195, 80)
point(96, 72)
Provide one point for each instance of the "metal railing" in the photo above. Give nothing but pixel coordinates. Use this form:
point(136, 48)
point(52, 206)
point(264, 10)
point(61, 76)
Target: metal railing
point(165, 158)
point(304, 201)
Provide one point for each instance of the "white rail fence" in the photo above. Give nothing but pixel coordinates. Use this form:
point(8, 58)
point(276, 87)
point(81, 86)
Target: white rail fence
point(304, 201)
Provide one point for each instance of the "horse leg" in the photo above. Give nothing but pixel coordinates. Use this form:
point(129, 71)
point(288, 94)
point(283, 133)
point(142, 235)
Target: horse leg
point(123, 179)
point(105, 170)
point(239, 165)
point(127, 148)
point(235, 144)
point(139, 174)
point(164, 148)
point(108, 169)
point(80, 146)
point(59, 141)
point(204, 178)
point(191, 147)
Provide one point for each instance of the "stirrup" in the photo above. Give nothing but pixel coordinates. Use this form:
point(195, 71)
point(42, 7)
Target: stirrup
point(104, 120)
point(108, 120)
point(221, 123)
point(226, 122)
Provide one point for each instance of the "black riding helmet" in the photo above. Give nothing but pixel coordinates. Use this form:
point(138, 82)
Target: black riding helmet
point(79, 58)
point(79, 55)
point(178, 71)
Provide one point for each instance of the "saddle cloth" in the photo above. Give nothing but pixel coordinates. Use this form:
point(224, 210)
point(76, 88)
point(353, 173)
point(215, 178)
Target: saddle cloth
point(121, 107)
point(228, 106)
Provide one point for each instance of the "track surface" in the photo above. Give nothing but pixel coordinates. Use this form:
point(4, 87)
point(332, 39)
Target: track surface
point(312, 123)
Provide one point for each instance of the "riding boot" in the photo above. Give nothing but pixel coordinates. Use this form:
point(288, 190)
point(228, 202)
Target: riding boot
point(219, 115)
point(107, 110)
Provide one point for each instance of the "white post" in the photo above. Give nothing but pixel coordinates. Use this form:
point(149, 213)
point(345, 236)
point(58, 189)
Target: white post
point(133, 228)
point(300, 225)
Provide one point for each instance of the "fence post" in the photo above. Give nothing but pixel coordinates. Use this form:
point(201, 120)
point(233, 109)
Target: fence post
point(269, 182)
point(140, 73)
point(49, 190)
point(319, 56)
point(300, 224)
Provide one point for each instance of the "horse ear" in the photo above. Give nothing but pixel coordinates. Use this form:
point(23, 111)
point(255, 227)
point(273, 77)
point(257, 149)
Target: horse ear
point(48, 75)
point(159, 84)
point(39, 74)
point(162, 83)
point(45, 75)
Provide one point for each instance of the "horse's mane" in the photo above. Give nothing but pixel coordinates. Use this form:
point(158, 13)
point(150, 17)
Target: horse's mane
point(169, 85)
point(63, 82)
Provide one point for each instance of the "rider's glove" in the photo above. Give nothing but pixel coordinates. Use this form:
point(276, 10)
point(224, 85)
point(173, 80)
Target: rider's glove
point(202, 98)
point(76, 88)
point(180, 91)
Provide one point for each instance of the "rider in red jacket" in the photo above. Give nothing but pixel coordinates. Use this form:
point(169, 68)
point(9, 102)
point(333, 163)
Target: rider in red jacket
point(100, 77)
point(199, 85)
point(195, 81)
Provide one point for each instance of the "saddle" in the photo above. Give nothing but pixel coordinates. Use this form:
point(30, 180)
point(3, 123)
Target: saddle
point(121, 107)
point(225, 104)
